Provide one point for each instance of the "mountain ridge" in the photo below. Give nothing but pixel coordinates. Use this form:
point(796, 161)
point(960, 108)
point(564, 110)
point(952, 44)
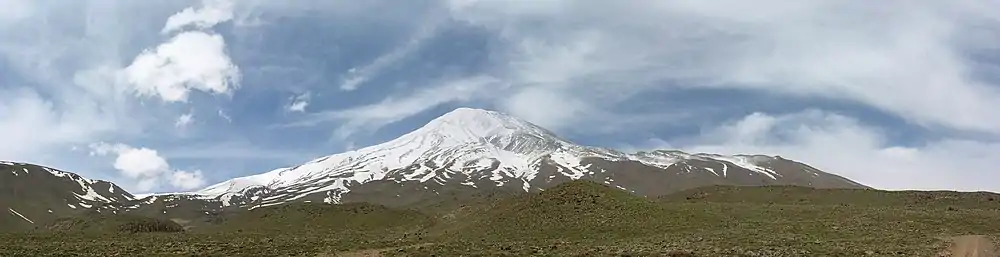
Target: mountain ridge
point(455, 157)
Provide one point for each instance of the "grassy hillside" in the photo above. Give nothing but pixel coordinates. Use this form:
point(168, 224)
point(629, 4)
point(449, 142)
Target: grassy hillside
point(854, 197)
point(573, 210)
point(577, 218)
point(582, 218)
point(308, 218)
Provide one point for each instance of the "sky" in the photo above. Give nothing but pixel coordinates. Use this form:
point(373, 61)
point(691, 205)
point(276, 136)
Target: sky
point(174, 95)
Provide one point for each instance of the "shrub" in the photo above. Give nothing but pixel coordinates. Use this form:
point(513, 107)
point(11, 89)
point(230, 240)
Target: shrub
point(148, 225)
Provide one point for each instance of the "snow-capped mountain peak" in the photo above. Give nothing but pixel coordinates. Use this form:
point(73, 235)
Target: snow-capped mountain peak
point(471, 147)
point(470, 125)
point(463, 140)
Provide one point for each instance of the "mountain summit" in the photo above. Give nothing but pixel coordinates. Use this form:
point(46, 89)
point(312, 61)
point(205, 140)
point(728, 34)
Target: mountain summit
point(475, 149)
point(467, 124)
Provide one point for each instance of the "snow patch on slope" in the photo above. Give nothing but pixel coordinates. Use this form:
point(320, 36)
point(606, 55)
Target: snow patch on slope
point(569, 165)
point(746, 162)
point(665, 159)
point(19, 215)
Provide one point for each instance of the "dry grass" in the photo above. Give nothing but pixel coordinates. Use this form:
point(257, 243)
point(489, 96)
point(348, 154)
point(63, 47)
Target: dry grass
point(577, 219)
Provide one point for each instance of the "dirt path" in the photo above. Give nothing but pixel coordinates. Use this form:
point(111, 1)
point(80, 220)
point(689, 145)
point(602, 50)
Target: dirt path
point(372, 252)
point(973, 246)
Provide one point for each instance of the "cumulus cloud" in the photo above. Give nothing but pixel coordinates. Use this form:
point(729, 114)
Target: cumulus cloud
point(191, 60)
point(141, 162)
point(848, 147)
point(187, 180)
point(147, 167)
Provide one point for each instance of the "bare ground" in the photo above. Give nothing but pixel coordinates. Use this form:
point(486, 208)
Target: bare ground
point(972, 246)
point(372, 252)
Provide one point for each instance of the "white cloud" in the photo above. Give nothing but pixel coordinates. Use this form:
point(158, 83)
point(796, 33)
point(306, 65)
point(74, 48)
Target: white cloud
point(33, 125)
point(184, 120)
point(63, 78)
point(298, 106)
point(14, 10)
point(147, 184)
point(140, 162)
point(561, 109)
point(299, 103)
point(135, 163)
point(191, 60)
point(187, 180)
point(147, 167)
point(845, 146)
point(61, 75)
point(212, 12)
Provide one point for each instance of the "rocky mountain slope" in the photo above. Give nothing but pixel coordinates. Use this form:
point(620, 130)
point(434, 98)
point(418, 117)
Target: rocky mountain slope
point(474, 150)
point(32, 195)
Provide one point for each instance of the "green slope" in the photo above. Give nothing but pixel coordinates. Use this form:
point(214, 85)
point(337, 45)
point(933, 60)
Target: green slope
point(855, 197)
point(578, 218)
point(321, 218)
point(96, 223)
point(573, 210)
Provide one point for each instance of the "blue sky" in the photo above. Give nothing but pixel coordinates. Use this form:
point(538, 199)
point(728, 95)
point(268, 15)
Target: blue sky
point(174, 95)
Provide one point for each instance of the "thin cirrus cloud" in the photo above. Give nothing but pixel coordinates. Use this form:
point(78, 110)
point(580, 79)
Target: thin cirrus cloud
point(376, 115)
point(359, 75)
point(841, 50)
point(910, 60)
point(567, 64)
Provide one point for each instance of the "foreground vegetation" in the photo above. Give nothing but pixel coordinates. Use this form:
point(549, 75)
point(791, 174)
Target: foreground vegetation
point(577, 218)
